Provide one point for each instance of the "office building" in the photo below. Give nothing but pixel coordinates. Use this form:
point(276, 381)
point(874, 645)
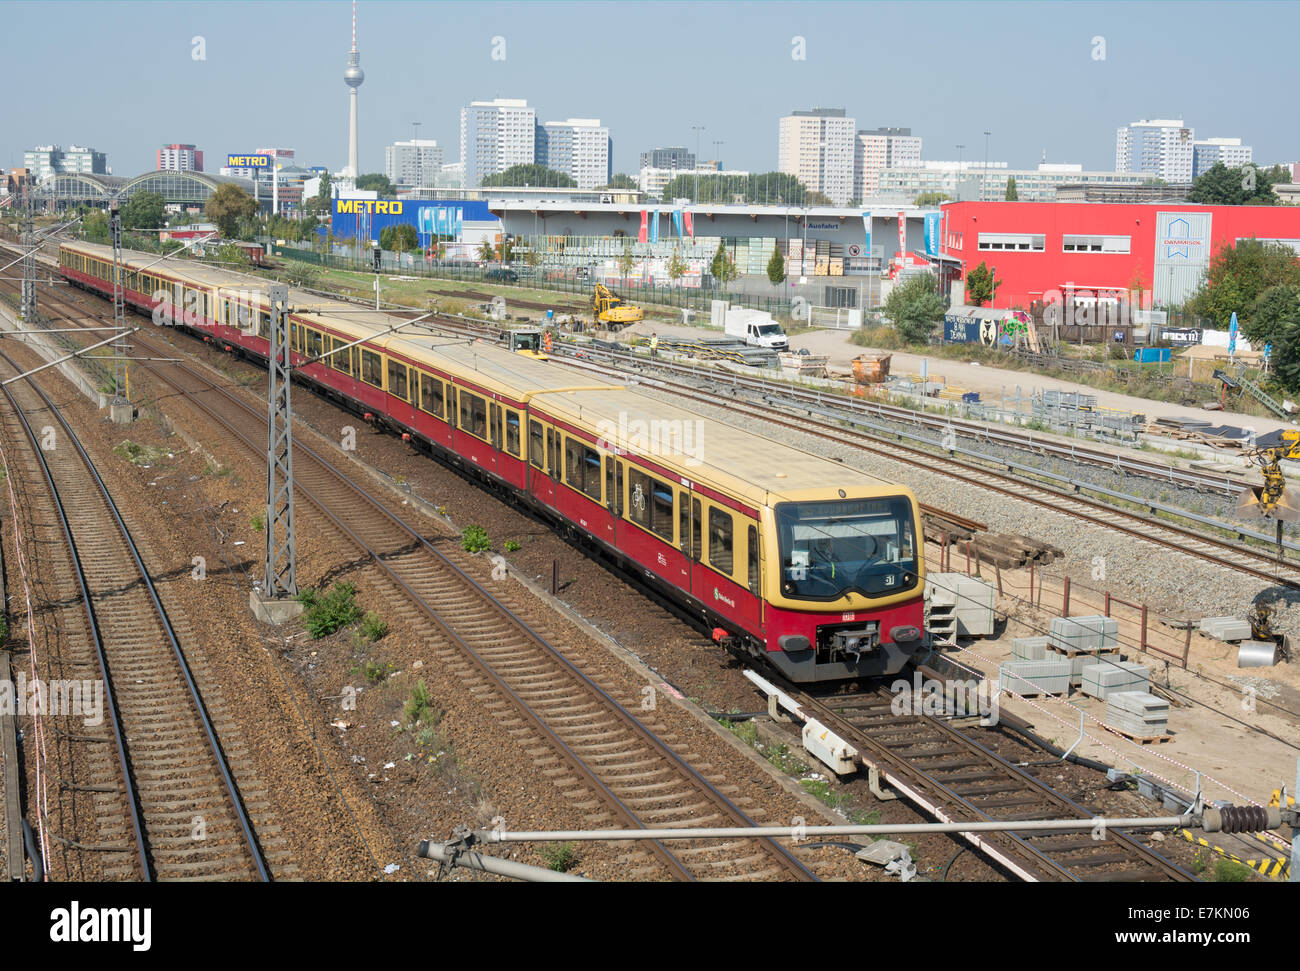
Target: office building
point(180, 158)
point(817, 147)
point(417, 162)
point(578, 147)
point(494, 135)
point(880, 149)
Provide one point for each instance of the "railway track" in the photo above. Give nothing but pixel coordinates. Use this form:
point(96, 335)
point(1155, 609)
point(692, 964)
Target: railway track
point(956, 779)
point(1243, 559)
point(167, 805)
point(628, 774)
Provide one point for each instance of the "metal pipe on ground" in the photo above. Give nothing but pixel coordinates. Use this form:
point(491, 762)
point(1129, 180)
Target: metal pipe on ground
point(455, 855)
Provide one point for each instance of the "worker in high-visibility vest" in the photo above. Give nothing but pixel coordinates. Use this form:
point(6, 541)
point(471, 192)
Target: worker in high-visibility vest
point(654, 345)
point(548, 342)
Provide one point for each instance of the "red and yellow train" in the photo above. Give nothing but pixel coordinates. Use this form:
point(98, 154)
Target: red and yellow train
point(787, 556)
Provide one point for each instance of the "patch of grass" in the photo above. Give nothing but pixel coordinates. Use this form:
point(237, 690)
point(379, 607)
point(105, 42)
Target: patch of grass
point(326, 613)
point(746, 731)
point(419, 708)
point(1229, 871)
point(1199, 862)
point(373, 627)
point(218, 470)
point(259, 521)
point(560, 856)
point(138, 454)
point(4, 629)
point(863, 817)
point(375, 672)
point(512, 546)
point(789, 763)
point(475, 539)
point(824, 792)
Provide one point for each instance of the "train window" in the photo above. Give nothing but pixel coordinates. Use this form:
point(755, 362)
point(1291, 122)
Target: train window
point(650, 504)
point(264, 324)
point(512, 432)
point(397, 380)
point(473, 415)
point(697, 546)
point(720, 541)
point(536, 445)
point(618, 490)
point(553, 453)
point(339, 360)
point(316, 344)
point(582, 468)
point(296, 331)
point(431, 395)
point(356, 361)
point(611, 497)
point(494, 412)
point(372, 367)
point(684, 526)
point(753, 560)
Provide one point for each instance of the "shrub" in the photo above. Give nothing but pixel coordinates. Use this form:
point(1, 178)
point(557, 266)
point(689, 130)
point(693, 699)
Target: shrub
point(329, 612)
point(373, 627)
point(474, 539)
point(417, 708)
point(560, 856)
point(512, 546)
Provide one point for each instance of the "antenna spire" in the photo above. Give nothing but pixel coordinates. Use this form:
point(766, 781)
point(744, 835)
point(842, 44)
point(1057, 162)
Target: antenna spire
point(354, 26)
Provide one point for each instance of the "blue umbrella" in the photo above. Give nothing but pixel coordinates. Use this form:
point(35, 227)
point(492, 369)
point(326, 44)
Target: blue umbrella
point(1232, 334)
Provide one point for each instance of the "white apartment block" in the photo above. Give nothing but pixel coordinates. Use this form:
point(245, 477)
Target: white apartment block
point(417, 162)
point(817, 148)
point(494, 135)
point(1207, 151)
point(973, 181)
point(578, 147)
point(652, 180)
point(1161, 148)
point(875, 151)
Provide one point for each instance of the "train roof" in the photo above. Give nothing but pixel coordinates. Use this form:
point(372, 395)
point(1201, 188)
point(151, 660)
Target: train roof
point(698, 448)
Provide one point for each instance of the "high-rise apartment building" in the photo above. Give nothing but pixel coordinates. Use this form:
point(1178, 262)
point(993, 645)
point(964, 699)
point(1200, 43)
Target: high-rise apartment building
point(180, 158)
point(417, 162)
point(47, 160)
point(494, 135)
point(1162, 148)
point(578, 147)
point(1207, 151)
point(673, 157)
point(880, 149)
point(816, 146)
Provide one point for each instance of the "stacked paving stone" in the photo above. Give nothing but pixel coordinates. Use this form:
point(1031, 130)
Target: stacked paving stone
point(1108, 677)
point(1029, 649)
point(1137, 713)
point(1035, 677)
point(1081, 639)
point(1226, 628)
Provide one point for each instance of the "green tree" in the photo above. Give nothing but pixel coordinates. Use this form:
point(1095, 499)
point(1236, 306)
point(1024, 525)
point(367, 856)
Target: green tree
point(144, 210)
point(400, 238)
point(932, 198)
point(228, 206)
point(723, 269)
point(776, 268)
point(376, 182)
point(232, 255)
point(980, 285)
point(94, 228)
point(622, 180)
point(530, 174)
point(915, 307)
point(676, 266)
point(1286, 355)
point(1012, 195)
point(626, 259)
point(1274, 310)
point(775, 188)
point(1246, 185)
point(486, 251)
point(1239, 275)
point(323, 199)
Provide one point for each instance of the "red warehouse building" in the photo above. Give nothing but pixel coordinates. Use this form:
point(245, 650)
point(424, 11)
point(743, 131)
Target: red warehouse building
point(1040, 247)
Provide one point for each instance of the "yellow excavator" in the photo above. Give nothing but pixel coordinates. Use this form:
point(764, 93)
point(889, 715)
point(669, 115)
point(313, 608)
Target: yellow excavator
point(1271, 501)
point(611, 311)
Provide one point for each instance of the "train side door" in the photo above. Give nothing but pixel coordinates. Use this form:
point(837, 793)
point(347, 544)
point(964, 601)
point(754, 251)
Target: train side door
point(692, 540)
point(539, 469)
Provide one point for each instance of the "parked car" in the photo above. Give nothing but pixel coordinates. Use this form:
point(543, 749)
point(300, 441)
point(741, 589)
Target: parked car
point(501, 274)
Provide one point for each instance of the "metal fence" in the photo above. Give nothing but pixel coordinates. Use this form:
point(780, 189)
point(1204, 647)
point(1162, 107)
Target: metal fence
point(544, 278)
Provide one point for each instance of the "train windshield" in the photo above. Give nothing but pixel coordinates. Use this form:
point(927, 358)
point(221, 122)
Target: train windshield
point(831, 549)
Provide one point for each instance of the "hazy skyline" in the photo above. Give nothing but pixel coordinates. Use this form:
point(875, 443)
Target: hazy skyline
point(273, 74)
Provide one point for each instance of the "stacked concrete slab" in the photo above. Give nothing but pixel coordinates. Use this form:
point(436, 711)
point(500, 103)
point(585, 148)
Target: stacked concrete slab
point(1109, 677)
point(1137, 713)
point(1035, 677)
point(1226, 628)
point(971, 600)
point(1029, 648)
point(1081, 640)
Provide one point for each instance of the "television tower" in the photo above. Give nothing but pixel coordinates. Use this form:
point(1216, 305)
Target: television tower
point(353, 77)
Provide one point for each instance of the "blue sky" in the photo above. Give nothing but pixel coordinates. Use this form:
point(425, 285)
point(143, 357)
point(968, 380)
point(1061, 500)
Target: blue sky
point(121, 76)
